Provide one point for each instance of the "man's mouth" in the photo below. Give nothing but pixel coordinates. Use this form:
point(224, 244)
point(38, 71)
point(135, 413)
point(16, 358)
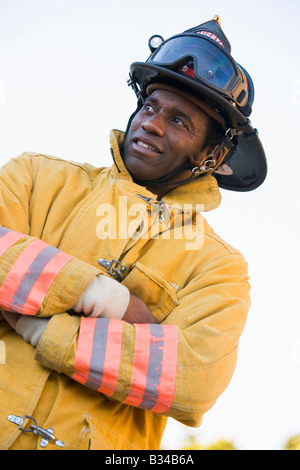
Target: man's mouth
point(147, 146)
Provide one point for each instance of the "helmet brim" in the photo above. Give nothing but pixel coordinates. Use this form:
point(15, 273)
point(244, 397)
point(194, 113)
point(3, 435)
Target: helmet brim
point(248, 164)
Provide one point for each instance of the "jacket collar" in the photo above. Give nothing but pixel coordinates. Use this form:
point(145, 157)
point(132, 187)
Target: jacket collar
point(200, 194)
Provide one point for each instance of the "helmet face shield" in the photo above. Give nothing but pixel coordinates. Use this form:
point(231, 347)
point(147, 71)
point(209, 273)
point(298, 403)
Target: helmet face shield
point(212, 65)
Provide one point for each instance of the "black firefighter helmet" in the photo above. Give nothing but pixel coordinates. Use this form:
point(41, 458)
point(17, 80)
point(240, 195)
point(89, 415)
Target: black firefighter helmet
point(199, 61)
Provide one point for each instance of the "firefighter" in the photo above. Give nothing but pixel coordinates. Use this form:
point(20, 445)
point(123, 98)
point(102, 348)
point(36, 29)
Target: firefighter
point(120, 305)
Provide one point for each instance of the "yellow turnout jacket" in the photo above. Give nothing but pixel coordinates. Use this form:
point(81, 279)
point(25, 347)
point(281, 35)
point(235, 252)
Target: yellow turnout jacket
point(100, 383)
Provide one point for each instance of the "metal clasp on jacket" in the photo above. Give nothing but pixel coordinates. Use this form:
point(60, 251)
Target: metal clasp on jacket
point(163, 208)
point(113, 268)
point(46, 434)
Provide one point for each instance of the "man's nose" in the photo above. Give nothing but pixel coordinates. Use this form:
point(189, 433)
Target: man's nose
point(154, 125)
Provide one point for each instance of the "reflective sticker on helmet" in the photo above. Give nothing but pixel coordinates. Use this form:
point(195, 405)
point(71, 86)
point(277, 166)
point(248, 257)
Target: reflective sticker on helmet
point(211, 36)
point(188, 71)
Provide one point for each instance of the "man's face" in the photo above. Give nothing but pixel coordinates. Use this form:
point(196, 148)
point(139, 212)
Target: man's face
point(167, 132)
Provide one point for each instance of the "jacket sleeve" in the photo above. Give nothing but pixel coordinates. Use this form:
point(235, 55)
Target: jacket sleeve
point(35, 277)
point(177, 368)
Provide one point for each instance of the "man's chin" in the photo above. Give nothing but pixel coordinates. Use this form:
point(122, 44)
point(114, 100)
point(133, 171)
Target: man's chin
point(139, 170)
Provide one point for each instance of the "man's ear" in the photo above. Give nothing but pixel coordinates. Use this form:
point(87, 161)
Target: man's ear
point(209, 153)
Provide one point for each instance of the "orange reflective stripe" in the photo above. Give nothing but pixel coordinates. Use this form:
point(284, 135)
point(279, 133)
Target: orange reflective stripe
point(8, 239)
point(84, 350)
point(166, 387)
point(17, 272)
point(31, 276)
point(140, 365)
point(98, 357)
point(98, 354)
point(112, 357)
point(154, 367)
point(44, 282)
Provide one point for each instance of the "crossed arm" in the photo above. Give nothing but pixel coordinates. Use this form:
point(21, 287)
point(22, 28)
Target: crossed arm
point(104, 297)
point(108, 333)
point(130, 357)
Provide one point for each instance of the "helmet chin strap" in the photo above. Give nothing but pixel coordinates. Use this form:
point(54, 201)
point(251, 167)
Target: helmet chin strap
point(167, 179)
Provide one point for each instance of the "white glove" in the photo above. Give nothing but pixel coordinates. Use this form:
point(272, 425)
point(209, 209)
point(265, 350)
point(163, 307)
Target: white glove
point(30, 328)
point(105, 298)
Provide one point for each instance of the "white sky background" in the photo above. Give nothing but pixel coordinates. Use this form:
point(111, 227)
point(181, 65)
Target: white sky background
point(63, 71)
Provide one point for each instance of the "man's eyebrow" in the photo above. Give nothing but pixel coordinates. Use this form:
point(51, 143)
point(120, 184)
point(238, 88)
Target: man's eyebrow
point(182, 114)
point(177, 111)
point(151, 99)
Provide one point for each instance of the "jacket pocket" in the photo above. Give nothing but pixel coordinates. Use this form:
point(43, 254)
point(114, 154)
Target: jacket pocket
point(103, 437)
point(157, 293)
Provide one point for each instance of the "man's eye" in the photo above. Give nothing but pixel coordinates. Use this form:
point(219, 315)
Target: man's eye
point(180, 122)
point(148, 107)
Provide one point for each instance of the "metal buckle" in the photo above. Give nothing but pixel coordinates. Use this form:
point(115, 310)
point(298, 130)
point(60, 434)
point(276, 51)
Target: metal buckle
point(231, 132)
point(46, 434)
point(113, 270)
